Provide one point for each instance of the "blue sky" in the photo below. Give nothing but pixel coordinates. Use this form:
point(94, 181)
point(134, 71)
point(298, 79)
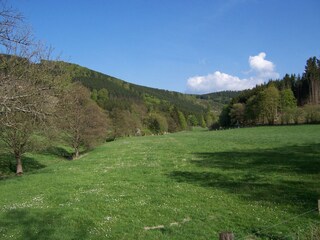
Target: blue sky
point(194, 46)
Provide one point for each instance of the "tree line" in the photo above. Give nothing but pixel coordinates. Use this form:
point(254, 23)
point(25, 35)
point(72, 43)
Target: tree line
point(290, 100)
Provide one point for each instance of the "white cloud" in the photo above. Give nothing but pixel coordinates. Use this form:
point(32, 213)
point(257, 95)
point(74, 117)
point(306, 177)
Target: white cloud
point(259, 63)
point(262, 69)
point(217, 81)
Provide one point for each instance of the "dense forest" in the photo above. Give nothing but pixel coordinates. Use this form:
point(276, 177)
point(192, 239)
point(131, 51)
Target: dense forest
point(293, 99)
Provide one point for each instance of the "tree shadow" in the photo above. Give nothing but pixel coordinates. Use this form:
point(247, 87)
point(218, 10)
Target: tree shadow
point(289, 159)
point(261, 175)
point(8, 165)
point(58, 151)
point(295, 193)
point(38, 224)
point(63, 152)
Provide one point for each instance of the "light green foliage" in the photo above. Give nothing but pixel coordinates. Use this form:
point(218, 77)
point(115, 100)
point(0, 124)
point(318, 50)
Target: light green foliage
point(151, 100)
point(255, 182)
point(192, 120)
point(208, 119)
point(287, 106)
point(202, 122)
point(269, 102)
point(94, 95)
point(287, 99)
point(182, 121)
point(103, 97)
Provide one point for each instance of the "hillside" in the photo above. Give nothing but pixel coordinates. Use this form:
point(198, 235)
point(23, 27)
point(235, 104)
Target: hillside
point(264, 185)
point(119, 89)
point(131, 107)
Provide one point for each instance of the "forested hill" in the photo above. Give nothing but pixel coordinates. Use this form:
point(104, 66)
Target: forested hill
point(131, 106)
point(119, 89)
point(219, 98)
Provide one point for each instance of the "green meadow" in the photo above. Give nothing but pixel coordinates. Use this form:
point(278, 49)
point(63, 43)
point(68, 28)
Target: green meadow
point(259, 183)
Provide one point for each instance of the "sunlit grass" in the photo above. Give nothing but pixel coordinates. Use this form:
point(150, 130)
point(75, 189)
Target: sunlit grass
point(189, 185)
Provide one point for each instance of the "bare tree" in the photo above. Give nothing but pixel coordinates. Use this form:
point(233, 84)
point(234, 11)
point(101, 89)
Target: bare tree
point(18, 137)
point(83, 122)
point(13, 30)
point(28, 84)
point(29, 99)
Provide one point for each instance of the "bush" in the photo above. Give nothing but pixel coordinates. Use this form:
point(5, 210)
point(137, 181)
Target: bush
point(312, 113)
point(215, 126)
point(157, 124)
point(298, 115)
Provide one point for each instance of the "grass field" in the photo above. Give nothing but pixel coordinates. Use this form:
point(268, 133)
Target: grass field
point(260, 183)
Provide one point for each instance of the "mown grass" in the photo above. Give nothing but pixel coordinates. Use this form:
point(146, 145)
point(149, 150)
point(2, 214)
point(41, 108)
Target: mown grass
point(260, 183)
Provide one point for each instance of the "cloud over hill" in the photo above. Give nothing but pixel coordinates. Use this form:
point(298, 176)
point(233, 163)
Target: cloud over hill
point(261, 70)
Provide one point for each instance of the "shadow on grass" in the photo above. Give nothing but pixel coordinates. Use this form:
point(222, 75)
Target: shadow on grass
point(281, 175)
point(8, 165)
point(64, 153)
point(58, 151)
point(39, 224)
point(290, 159)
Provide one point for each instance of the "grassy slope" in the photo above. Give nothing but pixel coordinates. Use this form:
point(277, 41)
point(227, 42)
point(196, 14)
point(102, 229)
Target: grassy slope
point(196, 184)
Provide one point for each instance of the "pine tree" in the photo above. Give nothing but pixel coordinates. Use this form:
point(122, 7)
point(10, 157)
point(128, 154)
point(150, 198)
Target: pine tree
point(312, 74)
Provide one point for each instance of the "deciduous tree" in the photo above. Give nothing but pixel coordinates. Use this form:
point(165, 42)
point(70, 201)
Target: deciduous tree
point(182, 120)
point(82, 121)
point(237, 114)
point(28, 84)
point(287, 105)
point(269, 102)
point(102, 98)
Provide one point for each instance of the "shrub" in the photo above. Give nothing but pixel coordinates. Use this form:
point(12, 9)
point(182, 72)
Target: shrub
point(157, 124)
point(312, 113)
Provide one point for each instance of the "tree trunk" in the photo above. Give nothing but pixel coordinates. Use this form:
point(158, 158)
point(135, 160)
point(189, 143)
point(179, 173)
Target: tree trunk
point(226, 236)
point(76, 153)
point(19, 170)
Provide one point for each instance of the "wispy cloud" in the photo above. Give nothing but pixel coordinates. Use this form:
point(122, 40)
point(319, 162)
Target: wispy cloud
point(262, 71)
